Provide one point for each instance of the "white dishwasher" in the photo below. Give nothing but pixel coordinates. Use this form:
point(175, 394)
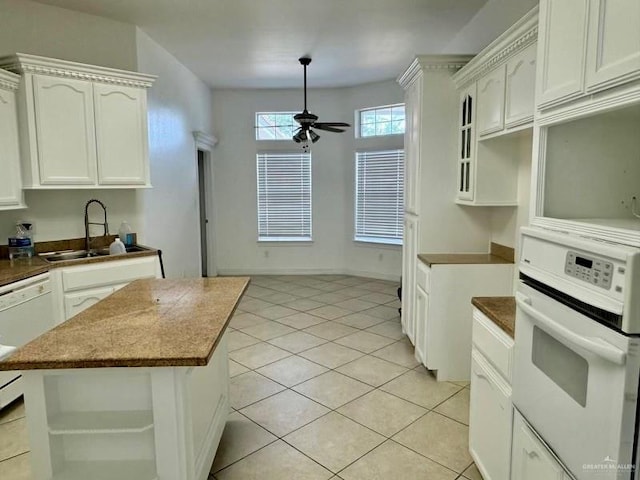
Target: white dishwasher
point(26, 311)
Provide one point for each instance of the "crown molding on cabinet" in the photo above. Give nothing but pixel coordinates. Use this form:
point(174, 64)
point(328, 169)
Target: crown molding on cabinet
point(522, 34)
point(8, 80)
point(432, 62)
point(23, 63)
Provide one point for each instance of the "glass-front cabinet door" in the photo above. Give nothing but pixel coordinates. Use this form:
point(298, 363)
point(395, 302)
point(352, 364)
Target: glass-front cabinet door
point(466, 147)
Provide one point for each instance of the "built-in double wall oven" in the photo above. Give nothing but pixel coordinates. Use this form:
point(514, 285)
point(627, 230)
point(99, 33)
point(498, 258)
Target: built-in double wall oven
point(577, 352)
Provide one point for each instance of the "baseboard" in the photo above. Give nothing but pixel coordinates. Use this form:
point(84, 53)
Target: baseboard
point(308, 271)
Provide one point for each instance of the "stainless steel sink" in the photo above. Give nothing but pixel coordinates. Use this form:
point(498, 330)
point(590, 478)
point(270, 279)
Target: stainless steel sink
point(80, 254)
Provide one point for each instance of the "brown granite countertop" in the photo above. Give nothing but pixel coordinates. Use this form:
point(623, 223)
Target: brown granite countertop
point(23, 268)
point(19, 269)
point(431, 259)
point(501, 310)
point(497, 254)
point(148, 323)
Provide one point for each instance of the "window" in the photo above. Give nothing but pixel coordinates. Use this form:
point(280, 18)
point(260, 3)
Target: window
point(379, 121)
point(379, 191)
point(275, 125)
point(284, 197)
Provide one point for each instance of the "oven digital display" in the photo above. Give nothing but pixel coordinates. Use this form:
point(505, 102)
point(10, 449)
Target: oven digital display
point(583, 262)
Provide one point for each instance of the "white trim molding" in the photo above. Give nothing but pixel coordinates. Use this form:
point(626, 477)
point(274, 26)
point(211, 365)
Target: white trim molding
point(432, 62)
point(32, 64)
point(522, 34)
point(9, 81)
point(204, 141)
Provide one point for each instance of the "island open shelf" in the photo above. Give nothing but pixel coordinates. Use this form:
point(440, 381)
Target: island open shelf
point(160, 417)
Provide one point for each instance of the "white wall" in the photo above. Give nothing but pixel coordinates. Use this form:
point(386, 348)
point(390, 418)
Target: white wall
point(179, 103)
point(166, 216)
point(332, 249)
point(30, 27)
point(491, 21)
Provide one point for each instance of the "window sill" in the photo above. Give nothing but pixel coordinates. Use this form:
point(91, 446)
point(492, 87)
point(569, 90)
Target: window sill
point(377, 243)
point(286, 243)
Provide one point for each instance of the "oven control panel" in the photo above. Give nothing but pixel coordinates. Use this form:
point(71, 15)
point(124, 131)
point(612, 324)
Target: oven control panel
point(592, 270)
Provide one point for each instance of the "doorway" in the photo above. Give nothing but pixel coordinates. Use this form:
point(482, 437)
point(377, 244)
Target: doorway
point(204, 221)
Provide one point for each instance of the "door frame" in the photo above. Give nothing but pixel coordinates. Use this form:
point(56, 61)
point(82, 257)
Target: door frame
point(205, 142)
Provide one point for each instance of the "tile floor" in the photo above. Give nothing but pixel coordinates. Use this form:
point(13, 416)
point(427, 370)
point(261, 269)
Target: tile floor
point(324, 386)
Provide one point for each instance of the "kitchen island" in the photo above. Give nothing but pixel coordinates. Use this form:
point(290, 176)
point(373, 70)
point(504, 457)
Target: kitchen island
point(135, 387)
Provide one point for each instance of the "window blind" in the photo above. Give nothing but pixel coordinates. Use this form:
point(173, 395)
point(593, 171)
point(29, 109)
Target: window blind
point(379, 196)
point(284, 196)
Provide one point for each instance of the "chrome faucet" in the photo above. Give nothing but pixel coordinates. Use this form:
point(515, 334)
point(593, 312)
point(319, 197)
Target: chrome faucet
point(87, 239)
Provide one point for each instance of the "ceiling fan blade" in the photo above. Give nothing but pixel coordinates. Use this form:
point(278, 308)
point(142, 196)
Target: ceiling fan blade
point(324, 126)
point(333, 124)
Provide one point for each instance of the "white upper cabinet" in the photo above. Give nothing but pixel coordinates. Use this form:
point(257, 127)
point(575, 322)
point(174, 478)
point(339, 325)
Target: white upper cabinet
point(519, 101)
point(561, 50)
point(10, 180)
point(413, 101)
point(65, 131)
point(613, 50)
point(586, 46)
point(497, 91)
point(81, 126)
point(121, 122)
point(491, 101)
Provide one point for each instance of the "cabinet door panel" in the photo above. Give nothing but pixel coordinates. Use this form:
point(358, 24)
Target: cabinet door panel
point(10, 180)
point(561, 50)
point(491, 102)
point(413, 100)
point(121, 134)
point(422, 317)
point(409, 253)
point(530, 458)
point(520, 88)
point(613, 54)
point(75, 303)
point(490, 417)
point(467, 145)
point(65, 131)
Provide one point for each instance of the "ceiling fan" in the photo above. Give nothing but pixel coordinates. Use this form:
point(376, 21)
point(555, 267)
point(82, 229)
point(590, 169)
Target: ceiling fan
point(308, 120)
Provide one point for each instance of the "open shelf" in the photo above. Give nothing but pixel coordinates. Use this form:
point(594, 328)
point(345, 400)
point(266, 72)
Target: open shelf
point(101, 422)
point(108, 470)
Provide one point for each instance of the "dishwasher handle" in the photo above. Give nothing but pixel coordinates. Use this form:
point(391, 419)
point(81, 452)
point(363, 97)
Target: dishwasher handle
point(595, 345)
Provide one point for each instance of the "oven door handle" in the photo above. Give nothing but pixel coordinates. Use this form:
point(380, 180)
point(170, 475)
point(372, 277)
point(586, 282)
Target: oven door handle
point(595, 345)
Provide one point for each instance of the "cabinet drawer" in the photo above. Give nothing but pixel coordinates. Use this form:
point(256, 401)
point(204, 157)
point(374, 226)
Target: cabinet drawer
point(74, 303)
point(423, 274)
point(108, 273)
point(494, 344)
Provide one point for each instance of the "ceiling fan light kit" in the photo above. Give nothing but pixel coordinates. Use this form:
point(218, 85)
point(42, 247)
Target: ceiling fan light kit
point(308, 120)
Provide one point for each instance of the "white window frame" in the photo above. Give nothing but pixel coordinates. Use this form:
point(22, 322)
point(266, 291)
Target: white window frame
point(283, 187)
point(365, 234)
point(294, 125)
point(358, 130)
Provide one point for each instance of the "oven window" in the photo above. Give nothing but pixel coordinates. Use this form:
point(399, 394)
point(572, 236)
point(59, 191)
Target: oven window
point(563, 366)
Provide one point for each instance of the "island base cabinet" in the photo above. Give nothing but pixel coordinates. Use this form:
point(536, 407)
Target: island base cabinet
point(490, 417)
point(161, 423)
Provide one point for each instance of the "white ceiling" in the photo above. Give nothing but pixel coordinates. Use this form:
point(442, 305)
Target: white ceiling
point(256, 43)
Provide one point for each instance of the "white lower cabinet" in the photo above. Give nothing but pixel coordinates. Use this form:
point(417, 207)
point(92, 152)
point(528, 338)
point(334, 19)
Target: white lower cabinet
point(490, 407)
point(409, 252)
point(76, 288)
point(443, 312)
point(530, 458)
point(76, 302)
point(490, 418)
